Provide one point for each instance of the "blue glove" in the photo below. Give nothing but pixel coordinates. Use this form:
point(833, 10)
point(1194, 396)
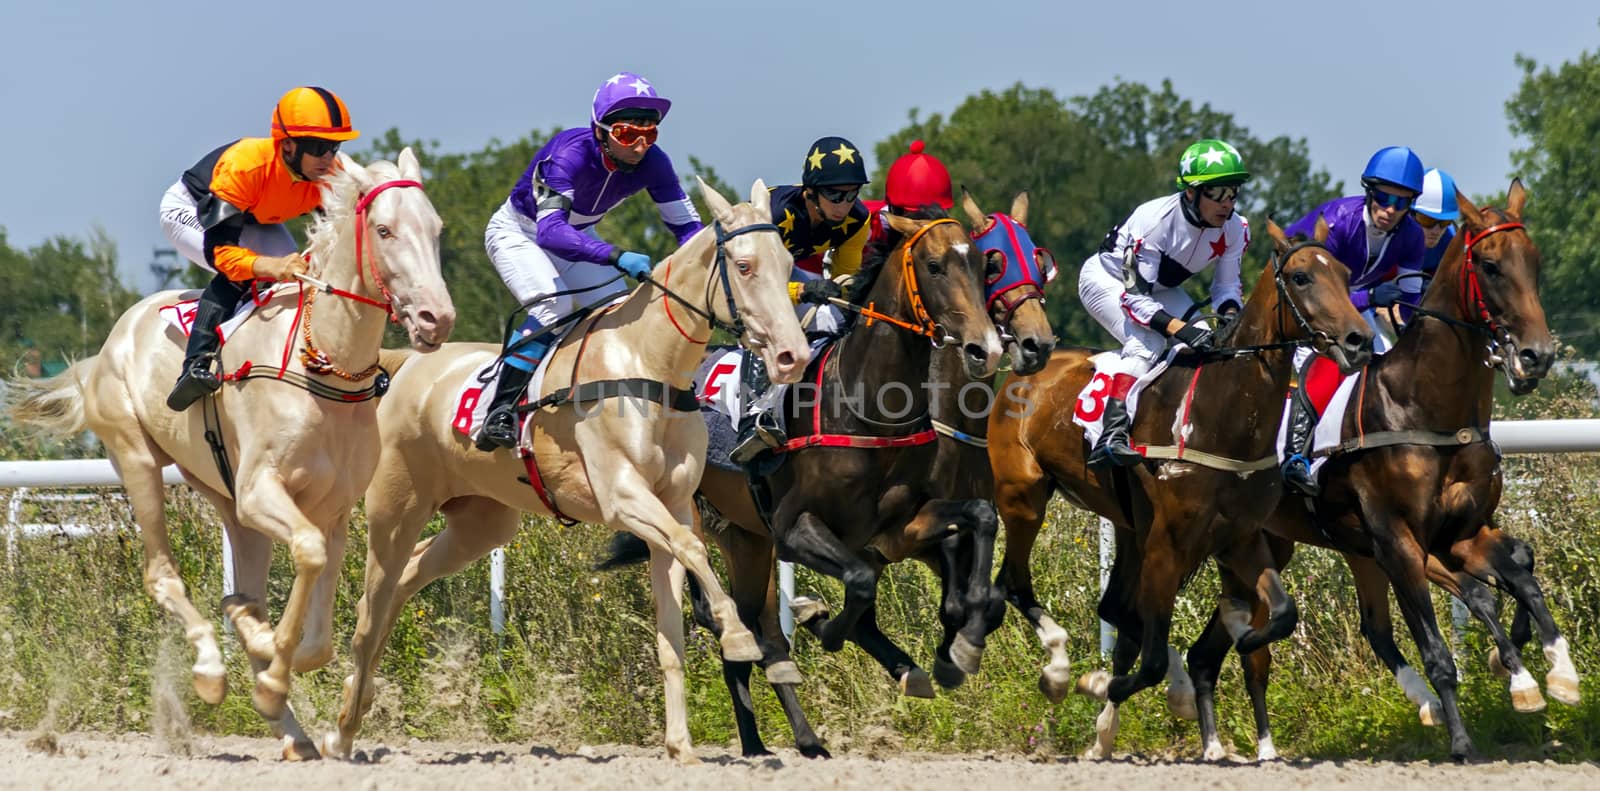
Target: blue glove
point(1385, 294)
point(637, 265)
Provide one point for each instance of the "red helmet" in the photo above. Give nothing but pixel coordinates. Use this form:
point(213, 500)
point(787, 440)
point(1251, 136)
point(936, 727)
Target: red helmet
point(917, 179)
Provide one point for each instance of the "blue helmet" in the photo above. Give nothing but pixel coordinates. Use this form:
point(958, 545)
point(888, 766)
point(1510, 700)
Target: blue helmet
point(1438, 198)
point(1394, 165)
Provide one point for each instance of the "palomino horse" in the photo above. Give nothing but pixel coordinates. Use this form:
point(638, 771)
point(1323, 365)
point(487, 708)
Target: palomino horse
point(632, 464)
point(1210, 494)
point(301, 454)
point(960, 469)
point(1413, 495)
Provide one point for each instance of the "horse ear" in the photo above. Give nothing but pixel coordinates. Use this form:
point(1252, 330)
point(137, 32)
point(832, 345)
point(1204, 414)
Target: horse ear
point(904, 225)
point(761, 197)
point(1321, 234)
point(1280, 243)
point(1516, 198)
point(720, 208)
point(1019, 208)
point(360, 173)
point(975, 215)
point(1470, 212)
point(409, 167)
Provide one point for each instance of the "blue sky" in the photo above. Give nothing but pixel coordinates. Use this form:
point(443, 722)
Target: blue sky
point(107, 102)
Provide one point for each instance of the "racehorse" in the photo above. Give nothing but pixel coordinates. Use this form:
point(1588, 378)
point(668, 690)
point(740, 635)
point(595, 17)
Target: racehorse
point(288, 461)
point(1411, 496)
point(1207, 427)
point(615, 438)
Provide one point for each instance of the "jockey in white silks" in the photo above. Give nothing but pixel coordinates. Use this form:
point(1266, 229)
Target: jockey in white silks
point(1133, 285)
point(542, 242)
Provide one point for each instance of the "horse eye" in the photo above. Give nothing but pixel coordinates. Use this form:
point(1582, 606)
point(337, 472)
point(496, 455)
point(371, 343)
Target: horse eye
point(935, 267)
point(743, 265)
point(1302, 279)
point(384, 232)
point(1491, 269)
point(994, 264)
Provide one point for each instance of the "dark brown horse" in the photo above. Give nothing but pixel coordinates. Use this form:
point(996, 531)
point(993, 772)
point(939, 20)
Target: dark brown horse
point(1209, 500)
point(1413, 498)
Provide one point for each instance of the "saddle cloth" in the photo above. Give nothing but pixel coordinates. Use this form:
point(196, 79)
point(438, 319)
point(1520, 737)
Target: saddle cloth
point(180, 315)
point(1330, 423)
point(1090, 410)
point(472, 404)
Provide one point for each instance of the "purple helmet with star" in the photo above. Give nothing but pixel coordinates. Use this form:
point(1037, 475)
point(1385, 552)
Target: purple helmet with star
point(627, 91)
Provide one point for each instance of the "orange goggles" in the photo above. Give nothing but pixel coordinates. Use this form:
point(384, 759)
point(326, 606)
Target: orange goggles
point(1429, 222)
point(630, 134)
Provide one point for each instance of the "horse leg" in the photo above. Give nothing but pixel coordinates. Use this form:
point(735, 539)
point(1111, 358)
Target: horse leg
point(138, 462)
point(396, 517)
point(1022, 505)
point(780, 668)
point(1116, 608)
point(810, 542)
point(1372, 599)
point(1399, 556)
point(316, 640)
point(666, 585)
point(1205, 665)
point(978, 552)
point(1507, 562)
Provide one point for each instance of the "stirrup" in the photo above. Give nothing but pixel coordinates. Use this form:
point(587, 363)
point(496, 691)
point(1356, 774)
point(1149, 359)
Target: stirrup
point(196, 382)
point(1296, 472)
point(760, 439)
point(495, 433)
point(1114, 449)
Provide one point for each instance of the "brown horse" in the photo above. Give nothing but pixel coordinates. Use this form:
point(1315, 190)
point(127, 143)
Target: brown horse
point(1209, 500)
point(1413, 498)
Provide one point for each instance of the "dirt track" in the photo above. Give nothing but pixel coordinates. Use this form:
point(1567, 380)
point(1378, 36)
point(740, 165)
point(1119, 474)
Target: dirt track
point(138, 762)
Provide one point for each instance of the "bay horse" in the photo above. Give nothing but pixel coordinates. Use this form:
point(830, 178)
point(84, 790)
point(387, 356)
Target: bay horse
point(299, 456)
point(959, 470)
point(1206, 486)
point(1411, 496)
point(631, 462)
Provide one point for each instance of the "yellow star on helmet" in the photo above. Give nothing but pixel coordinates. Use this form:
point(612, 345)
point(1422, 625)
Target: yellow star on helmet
point(814, 161)
point(844, 153)
point(788, 223)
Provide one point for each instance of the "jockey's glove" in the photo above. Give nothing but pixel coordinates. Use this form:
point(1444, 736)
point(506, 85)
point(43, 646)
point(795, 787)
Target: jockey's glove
point(1384, 295)
point(819, 291)
point(285, 267)
point(1196, 337)
point(636, 265)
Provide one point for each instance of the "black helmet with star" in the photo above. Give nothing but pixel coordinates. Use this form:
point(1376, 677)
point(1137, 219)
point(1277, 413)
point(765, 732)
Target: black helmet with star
point(833, 161)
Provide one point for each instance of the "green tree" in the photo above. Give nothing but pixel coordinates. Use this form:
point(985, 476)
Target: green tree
point(1088, 161)
point(58, 300)
point(1558, 112)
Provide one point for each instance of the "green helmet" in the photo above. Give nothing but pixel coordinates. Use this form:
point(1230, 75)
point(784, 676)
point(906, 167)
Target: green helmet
point(1211, 162)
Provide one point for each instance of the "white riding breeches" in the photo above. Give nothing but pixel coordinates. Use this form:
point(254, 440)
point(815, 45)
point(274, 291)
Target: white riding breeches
point(180, 222)
point(1102, 296)
point(532, 273)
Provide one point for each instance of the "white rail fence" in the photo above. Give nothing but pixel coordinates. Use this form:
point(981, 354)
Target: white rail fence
point(25, 479)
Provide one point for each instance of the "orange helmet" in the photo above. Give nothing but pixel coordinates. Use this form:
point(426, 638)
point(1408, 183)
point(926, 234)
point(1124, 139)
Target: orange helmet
point(312, 112)
point(916, 180)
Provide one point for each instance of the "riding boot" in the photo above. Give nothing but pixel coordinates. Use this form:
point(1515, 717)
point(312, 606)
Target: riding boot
point(759, 431)
point(1296, 467)
point(522, 356)
point(1115, 446)
point(199, 378)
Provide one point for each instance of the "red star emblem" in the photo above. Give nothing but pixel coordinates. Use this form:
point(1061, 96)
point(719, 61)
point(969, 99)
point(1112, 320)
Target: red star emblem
point(1218, 247)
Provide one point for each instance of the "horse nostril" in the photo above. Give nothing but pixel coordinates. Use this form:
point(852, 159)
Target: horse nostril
point(976, 353)
point(427, 319)
point(786, 359)
point(1358, 341)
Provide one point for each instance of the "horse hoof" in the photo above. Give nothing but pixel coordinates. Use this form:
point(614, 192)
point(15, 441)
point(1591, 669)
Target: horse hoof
point(299, 750)
point(948, 674)
point(785, 672)
point(1431, 714)
point(1266, 751)
point(1525, 697)
point(1214, 751)
point(916, 684)
point(1055, 681)
point(683, 754)
point(807, 609)
point(1180, 701)
point(740, 647)
point(1495, 665)
point(210, 688)
point(967, 656)
point(813, 751)
point(334, 747)
point(1094, 684)
point(1564, 688)
point(270, 698)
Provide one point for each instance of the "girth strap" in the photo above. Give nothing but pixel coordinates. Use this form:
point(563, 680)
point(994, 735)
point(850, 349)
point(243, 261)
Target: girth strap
point(676, 399)
point(1384, 439)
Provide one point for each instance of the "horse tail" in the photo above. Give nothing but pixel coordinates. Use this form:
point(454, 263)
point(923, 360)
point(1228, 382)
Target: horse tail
point(625, 549)
point(393, 359)
point(52, 407)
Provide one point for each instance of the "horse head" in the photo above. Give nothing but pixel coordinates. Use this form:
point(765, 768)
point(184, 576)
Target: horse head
point(1312, 290)
point(394, 253)
point(755, 274)
point(934, 277)
point(1498, 285)
point(1015, 273)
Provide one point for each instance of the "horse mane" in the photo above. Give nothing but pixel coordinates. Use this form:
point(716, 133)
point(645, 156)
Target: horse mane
point(329, 232)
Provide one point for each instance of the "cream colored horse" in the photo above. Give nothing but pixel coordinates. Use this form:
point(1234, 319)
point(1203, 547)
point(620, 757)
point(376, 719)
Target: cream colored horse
point(301, 461)
point(626, 462)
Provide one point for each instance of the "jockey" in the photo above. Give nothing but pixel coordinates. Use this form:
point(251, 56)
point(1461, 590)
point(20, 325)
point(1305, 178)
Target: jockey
point(1133, 285)
point(542, 242)
point(1372, 235)
point(915, 180)
point(226, 214)
point(823, 215)
point(1436, 212)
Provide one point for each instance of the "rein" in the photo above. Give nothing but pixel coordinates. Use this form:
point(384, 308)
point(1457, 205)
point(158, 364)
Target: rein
point(921, 322)
point(735, 326)
point(1314, 337)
